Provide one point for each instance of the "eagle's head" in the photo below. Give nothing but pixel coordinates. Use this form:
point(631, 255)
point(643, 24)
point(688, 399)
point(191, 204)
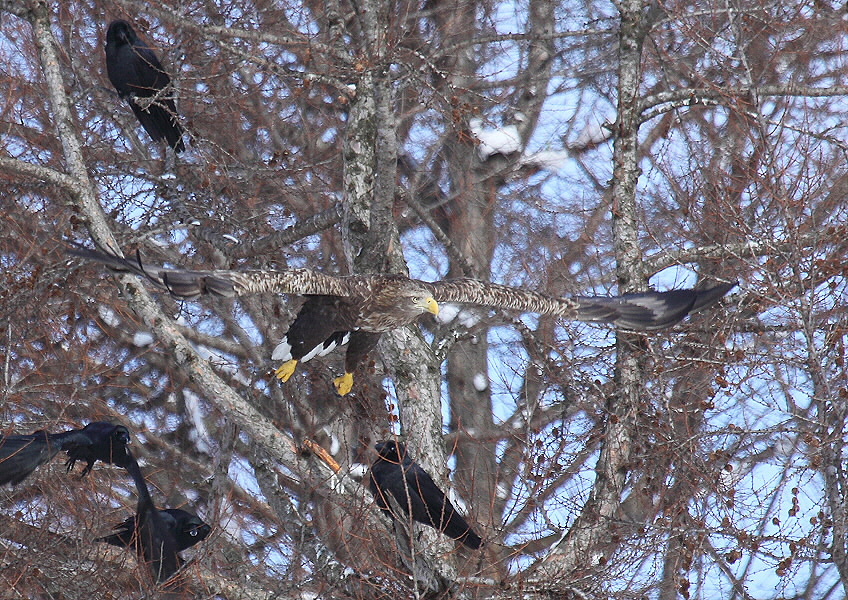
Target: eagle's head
point(425, 303)
point(413, 297)
point(394, 302)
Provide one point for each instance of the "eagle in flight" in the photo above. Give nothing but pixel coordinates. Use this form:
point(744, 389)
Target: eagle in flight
point(358, 309)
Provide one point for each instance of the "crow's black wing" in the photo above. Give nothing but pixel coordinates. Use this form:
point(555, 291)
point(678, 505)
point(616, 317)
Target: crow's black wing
point(387, 479)
point(124, 536)
point(20, 455)
point(434, 508)
point(395, 474)
point(131, 65)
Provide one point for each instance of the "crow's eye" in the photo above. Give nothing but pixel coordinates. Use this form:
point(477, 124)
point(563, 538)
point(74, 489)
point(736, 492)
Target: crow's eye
point(193, 533)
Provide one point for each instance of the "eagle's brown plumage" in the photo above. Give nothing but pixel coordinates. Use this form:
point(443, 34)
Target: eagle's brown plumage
point(646, 311)
point(365, 306)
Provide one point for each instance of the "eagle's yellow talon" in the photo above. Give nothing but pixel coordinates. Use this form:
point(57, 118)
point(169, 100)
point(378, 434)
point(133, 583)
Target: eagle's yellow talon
point(285, 370)
point(344, 383)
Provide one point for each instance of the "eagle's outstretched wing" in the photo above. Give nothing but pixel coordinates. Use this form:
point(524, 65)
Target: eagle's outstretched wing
point(644, 312)
point(191, 284)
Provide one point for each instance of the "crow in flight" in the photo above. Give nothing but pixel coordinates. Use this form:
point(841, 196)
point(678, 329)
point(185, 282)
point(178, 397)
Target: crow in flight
point(20, 455)
point(188, 529)
point(136, 73)
point(155, 538)
point(415, 492)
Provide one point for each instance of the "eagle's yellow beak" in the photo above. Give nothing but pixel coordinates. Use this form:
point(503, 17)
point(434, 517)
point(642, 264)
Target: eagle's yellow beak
point(430, 305)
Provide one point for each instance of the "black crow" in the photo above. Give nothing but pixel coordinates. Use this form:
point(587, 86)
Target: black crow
point(20, 455)
point(135, 72)
point(156, 542)
point(188, 529)
point(415, 492)
point(108, 444)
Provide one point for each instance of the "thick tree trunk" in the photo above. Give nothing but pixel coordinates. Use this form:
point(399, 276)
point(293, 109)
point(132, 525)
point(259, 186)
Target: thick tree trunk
point(591, 535)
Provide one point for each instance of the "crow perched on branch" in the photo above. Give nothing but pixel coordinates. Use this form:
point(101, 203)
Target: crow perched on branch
point(188, 529)
point(20, 455)
point(154, 532)
point(138, 77)
point(395, 474)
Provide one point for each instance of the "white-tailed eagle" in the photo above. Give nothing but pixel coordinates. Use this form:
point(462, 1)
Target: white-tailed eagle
point(358, 309)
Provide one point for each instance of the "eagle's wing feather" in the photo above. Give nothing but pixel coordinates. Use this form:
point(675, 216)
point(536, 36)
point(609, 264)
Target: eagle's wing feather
point(473, 291)
point(290, 281)
point(645, 311)
point(190, 284)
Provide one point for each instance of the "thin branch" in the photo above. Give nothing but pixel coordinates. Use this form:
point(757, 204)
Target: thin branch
point(694, 96)
point(747, 249)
